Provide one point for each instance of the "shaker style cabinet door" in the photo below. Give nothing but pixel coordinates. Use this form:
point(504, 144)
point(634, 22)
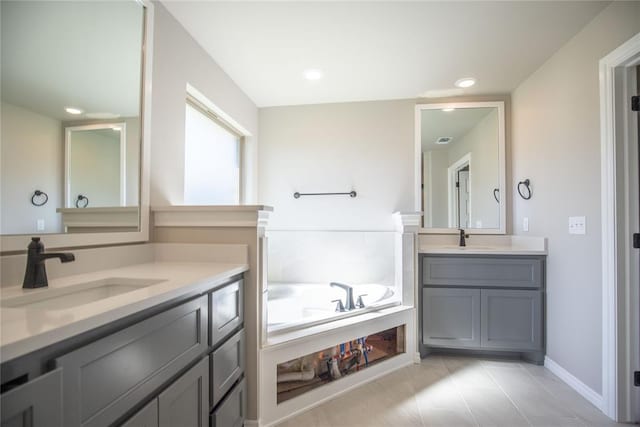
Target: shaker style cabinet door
point(451, 317)
point(145, 417)
point(37, 403)
point(186, 401)
point(512, 319)
point(225, 311)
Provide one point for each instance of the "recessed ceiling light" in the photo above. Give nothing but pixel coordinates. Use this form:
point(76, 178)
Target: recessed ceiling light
point(443, 140)
point(72, 110)
point(466, 82)
point(448, 109)
point(312, 74)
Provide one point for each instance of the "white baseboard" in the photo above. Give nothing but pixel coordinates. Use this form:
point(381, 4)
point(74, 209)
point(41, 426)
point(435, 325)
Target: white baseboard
point(573, 382)
point(251, 423)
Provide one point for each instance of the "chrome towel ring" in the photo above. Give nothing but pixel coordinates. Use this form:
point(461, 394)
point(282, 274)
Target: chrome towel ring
point(527, 185)
point(39, 198)
point(80, 200)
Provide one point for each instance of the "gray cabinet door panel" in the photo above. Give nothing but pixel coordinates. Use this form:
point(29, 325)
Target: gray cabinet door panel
point(511, 319)
point(227, 366)
point(233, 408)
point(145, 417)
point(185, 402)
point(37, 403)
point(451, 317)
point(471, 271)
point(225, 311)
point(108, 377)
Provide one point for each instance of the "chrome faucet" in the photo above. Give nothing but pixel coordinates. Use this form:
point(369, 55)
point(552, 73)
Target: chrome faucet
point(463, 237)
point(349, 304)
point(36, 274)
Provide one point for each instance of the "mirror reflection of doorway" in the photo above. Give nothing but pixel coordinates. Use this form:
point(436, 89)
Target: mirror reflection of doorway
point(459, 176)
point(462, 187)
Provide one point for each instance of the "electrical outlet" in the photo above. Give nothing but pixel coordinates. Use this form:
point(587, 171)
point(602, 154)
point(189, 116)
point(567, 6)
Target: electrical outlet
point(577, 225)
point(525, 224)
point(40, 225)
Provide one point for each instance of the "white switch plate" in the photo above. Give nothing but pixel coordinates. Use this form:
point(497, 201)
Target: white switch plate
point(525, 224)
point(577, 225)
point(40, 225)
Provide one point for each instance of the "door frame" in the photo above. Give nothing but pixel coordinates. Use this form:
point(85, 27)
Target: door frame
point(619, 331)
point(453, 199)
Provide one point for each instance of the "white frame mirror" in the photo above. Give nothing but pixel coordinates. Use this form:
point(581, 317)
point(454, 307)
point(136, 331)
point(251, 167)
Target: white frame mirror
point(15, 243)
point(418, 167)
point(69, 201)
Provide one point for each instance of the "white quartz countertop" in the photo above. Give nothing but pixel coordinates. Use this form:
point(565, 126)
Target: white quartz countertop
point(24, 330)
point(483, 245)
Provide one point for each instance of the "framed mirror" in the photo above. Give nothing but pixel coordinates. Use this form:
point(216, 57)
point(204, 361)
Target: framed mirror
point(75, 80)
point(460, 151)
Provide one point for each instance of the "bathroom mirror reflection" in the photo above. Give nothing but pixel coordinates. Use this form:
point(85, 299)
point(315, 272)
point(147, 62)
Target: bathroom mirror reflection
point(462, 158)
point(71, 110)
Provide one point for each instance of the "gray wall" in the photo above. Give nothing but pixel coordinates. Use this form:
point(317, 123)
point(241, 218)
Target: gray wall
point(32, 155)
point(556, 143)
point(178, 60)
point(364, 146)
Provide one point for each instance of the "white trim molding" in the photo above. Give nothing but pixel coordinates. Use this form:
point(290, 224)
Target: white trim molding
point(212, 216)
point(566, 376)
point(612, 313)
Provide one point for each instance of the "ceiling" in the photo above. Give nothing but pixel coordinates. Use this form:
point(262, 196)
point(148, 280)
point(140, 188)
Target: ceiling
point(379, 50)
point(437, 123)
point(58, 54)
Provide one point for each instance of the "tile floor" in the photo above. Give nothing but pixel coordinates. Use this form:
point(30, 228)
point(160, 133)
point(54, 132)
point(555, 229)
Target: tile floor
point(453, 391)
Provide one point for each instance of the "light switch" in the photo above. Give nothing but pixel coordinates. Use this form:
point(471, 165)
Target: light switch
point(577, 225)
point(525, 224)
point(40, 225)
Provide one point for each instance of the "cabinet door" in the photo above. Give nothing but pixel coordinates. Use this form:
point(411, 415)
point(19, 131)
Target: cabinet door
point(37, 403)
point(145, 417)
point(225, 311)
point(512, 320)
point(185, 402)
point(451, 317)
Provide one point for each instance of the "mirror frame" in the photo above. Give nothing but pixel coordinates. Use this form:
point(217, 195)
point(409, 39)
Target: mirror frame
point(18, 243)
point(418, 193)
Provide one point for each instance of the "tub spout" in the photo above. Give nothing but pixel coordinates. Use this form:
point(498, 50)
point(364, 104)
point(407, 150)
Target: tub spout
point(349, 304)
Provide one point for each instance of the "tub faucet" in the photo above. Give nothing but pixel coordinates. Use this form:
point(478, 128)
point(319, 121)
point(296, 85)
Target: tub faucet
point(463, 237)
point(349, 304)
point(36, 274)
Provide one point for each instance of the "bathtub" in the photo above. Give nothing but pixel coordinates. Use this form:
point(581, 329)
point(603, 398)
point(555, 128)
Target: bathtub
point(293, 306)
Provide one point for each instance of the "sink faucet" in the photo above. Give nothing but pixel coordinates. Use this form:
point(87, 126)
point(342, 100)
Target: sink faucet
point(36, 274)
point(349, 304)
point(463, 237)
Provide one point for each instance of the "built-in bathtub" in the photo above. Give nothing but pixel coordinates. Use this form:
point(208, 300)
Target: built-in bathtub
point(293, 306)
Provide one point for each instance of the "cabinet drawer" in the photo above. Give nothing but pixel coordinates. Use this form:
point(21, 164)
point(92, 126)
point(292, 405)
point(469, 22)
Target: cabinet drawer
point(107, 378)
point(231, 411)
point(225, 311)
point(511, 320)
point(185, 402)
point(474, 271)
point(37, 403)
point(451, 317)
point(227, 366)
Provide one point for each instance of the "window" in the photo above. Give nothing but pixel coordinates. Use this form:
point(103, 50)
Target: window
point(212, 159)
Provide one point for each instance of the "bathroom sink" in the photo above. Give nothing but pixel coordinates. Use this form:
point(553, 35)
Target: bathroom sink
point(76, 295)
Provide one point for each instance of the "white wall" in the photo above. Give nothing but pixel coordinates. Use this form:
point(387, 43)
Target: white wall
point(556, 144)
point(364, 146)
point(32, 159)
point(178, 60)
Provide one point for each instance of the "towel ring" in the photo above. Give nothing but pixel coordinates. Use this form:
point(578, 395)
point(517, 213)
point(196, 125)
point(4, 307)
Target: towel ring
point(39, 194)
point(527, 184)
point(80, 199)
point(496, 194)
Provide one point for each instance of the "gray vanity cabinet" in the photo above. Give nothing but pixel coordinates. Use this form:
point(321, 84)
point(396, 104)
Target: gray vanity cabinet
point(227, 366)
point(226, 306)
point(145, 417)
point(483, 302)
point(186, 401)
point(231, 411)
point(451, 317)
point(36, 403)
